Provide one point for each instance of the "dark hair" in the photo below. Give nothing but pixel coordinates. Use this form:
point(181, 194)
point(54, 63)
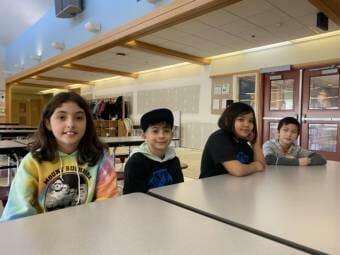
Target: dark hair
point(44, 147)
point(227, 119)
point(287, 121)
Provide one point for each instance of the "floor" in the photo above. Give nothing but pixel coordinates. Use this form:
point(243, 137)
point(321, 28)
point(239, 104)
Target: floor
point(191, 157)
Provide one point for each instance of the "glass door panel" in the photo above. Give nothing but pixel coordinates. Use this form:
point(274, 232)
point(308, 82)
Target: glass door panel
point(322, 137)
point(281, 99)
point(324, 92)
point(281, 95)
point(270, 129)
point(321, 91)
point(273, 129)
point(247, 89)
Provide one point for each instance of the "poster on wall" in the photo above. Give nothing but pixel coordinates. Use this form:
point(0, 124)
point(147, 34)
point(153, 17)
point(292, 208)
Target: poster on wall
point(222, 90)
point(2, 103)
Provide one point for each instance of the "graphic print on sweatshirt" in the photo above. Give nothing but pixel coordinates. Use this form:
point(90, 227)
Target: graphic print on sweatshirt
point(160, 178)
point(63, 192)
point(243, 157)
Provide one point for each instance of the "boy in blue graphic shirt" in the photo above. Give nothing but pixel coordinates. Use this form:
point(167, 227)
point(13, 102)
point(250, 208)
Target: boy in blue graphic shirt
point(154, 164)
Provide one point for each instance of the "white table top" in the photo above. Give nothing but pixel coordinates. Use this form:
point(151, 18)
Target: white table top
point(124, 140)
point(297, 204)
point(10, 144)
point(17, 131)
point(119, 139)
point(7, 146)
point(131, 224)
point(16, 127)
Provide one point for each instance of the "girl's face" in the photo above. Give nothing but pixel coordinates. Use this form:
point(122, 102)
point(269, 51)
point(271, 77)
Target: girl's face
point(244, 125)
point(68, 125)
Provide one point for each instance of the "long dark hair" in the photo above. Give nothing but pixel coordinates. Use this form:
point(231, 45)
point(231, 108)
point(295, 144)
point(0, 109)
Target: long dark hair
point(45, 148)
point(227, 119)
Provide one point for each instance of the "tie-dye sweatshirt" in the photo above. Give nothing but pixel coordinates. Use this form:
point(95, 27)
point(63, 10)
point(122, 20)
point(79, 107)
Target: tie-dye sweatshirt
point(47, 186)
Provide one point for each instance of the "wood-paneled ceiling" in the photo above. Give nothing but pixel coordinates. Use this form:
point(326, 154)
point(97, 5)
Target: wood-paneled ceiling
point(212, 28)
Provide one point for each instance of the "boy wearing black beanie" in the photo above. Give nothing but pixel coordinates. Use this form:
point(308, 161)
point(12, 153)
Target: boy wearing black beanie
point(154, 164)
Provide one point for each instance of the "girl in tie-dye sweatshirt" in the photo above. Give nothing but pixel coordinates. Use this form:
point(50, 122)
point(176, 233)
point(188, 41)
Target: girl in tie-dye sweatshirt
point(67, 165)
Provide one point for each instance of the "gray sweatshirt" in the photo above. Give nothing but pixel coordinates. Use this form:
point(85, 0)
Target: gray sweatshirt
point(274, 154)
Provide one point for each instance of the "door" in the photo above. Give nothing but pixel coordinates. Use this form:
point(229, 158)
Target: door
point(312, 96)
point(321, 111)
point(281, 99)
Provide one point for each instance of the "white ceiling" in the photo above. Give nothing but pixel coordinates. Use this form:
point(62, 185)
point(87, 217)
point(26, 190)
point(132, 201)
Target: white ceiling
point(246, 24)
point(16, 16)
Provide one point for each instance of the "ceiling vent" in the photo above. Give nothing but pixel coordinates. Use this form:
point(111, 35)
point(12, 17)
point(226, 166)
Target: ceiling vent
point(67, 8)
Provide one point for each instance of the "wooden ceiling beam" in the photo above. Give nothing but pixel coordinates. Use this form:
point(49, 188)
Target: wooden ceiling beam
point(93, 69)
point(135, 44)
point(329, 7)
point(56, 79)
point(27, 84)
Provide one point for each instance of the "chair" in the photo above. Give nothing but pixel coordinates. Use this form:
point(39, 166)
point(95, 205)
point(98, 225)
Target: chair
point(6, 171)
point(128, 126)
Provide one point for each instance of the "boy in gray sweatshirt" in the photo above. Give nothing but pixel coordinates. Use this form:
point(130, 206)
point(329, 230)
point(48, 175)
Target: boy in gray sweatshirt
point(284, 151)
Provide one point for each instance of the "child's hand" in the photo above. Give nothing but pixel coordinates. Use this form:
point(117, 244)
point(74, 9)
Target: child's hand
point(304, 161)
point(250, 137)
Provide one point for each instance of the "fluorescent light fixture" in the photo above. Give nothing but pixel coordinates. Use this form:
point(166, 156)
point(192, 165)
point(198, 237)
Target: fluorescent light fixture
point(265, 47)
point(58, 45)
point(74, 86)
point(143, 72)
point(315, 37)
point(52, 91)
point(109, 79)
point(36, 57)
point(304, 39)
point(92, 27)
point(164, 68)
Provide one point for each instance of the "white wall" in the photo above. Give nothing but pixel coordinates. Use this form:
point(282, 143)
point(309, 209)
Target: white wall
point(198, 124)
point(2, 68)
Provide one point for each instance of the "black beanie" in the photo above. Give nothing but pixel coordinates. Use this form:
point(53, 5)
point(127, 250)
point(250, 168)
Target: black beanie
point(156, 116)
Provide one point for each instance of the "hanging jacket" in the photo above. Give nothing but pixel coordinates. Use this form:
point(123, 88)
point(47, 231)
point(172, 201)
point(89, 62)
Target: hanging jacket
point(47, 186)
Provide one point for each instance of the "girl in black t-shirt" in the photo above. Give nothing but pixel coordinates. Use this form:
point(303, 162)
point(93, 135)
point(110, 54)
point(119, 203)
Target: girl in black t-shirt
point(234, 148)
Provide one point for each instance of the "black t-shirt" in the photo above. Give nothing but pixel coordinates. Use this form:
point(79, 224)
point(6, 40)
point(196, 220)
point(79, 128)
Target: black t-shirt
point(142, 173)
point(220, 147)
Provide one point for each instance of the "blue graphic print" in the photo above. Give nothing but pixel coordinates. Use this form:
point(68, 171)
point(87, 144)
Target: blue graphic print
point(160, 178)
point(243, 158)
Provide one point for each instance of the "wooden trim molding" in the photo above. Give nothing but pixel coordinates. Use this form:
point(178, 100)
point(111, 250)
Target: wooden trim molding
point(316, 64)
point(93, 69)
point(27, 84)
point(236, 73)
point(329, 7)
point(8, 103)
point(165, 52)
point(47, 78)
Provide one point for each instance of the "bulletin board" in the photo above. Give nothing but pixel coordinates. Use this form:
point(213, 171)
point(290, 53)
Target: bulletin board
point(221, 91)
